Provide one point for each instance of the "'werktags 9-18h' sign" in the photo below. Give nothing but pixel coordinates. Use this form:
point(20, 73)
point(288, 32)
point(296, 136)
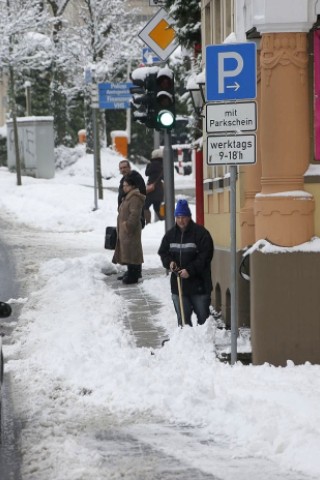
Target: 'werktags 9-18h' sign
point(231, 149)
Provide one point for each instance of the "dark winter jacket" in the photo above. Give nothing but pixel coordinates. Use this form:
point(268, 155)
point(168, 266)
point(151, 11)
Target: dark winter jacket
point(139, 182)
point(191, 250)
point(154, 172)
point(129, 248)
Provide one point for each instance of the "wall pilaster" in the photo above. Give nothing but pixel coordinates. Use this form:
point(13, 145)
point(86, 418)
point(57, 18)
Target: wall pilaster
point(283, 210)
point(250, 176)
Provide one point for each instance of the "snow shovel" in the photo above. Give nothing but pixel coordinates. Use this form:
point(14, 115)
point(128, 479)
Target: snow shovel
point(180, 305)
point(181, 301)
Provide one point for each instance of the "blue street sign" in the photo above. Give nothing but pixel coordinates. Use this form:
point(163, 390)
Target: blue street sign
point(148, 56)
point(114, 96)
point(231, 72)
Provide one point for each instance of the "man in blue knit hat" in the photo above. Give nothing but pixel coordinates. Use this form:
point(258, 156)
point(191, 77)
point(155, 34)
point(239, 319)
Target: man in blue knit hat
point(187, 251)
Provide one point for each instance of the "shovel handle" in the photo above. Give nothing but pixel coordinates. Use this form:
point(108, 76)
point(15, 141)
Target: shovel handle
point(181, 301)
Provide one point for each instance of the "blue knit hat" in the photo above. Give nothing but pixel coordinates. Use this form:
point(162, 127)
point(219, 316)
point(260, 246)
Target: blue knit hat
point(182, 209)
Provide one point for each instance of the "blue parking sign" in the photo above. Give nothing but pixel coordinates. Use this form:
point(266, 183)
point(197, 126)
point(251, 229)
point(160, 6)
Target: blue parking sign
point(231, 72)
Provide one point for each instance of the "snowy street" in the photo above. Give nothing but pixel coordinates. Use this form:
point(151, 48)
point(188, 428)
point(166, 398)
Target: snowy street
point(95, 395)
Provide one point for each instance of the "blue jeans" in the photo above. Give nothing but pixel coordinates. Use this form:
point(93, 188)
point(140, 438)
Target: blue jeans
point(199, 304)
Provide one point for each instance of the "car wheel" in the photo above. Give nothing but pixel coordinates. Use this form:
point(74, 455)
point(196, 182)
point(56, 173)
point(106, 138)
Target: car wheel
point(5, 310)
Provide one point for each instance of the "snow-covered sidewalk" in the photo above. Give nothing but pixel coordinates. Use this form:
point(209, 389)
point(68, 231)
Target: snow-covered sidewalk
point(79, 375)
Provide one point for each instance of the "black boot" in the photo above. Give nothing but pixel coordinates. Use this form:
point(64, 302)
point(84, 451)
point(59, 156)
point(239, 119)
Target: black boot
point(132, 276)
point(139, 270)
point(121, 277)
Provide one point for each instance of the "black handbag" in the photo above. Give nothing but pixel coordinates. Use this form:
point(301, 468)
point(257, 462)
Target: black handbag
point(110, 238)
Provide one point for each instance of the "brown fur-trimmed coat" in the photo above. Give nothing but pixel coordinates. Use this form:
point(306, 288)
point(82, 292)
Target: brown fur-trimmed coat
point(128, 249)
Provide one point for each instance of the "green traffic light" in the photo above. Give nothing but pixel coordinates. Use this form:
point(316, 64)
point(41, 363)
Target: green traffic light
point(165, 119)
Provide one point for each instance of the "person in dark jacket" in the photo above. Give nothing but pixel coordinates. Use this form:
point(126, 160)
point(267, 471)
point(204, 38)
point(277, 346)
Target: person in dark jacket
point(187, 251)
point(154, 172)
point(125, 169)
point(128, 249)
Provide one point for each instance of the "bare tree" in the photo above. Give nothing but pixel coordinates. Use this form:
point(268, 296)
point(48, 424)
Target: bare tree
point(17, 20)
point(58, 97)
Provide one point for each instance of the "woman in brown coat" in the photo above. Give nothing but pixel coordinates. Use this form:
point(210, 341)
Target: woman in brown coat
point(128, 249)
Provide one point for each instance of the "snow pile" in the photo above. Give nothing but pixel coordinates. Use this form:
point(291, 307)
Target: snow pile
point(83, 374)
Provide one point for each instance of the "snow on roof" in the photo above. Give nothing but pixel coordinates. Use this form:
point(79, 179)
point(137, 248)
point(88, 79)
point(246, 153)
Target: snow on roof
point(32, 119)
point(201, 77)
point(119, 133)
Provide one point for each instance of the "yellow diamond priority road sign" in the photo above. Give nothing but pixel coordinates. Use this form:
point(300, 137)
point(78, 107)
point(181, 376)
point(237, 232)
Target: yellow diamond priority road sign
point(159, 35)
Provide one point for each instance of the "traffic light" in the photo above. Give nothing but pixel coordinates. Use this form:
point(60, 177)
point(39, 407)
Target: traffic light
point(151, 88)
point(139, 100)
point(165, 111)
point(143, 98)
point(153, 102)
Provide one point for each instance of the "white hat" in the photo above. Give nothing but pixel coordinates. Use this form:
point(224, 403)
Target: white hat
point(158, 153)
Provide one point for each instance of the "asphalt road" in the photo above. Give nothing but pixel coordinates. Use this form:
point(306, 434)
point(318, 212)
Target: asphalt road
point(9, 288)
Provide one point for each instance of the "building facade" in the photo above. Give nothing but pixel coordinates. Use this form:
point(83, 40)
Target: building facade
point(143, 11)
point(278, 198)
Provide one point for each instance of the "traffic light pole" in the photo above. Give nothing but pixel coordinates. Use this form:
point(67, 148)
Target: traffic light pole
point(95, 155)
point(156, 139)
point(96, 146)
point(168, 176)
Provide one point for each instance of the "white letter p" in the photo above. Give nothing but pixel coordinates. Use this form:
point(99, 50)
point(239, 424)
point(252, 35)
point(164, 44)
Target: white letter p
point(222, 73)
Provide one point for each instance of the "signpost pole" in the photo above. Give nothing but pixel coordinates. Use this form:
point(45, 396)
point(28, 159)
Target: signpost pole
point(94, 106)
point(231, 81)
point(128, 110)
point(168, 176)
point(199, 186)
point(95, 155)
point(233, 254)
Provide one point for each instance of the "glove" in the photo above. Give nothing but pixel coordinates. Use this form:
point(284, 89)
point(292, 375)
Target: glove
point(173, 267)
